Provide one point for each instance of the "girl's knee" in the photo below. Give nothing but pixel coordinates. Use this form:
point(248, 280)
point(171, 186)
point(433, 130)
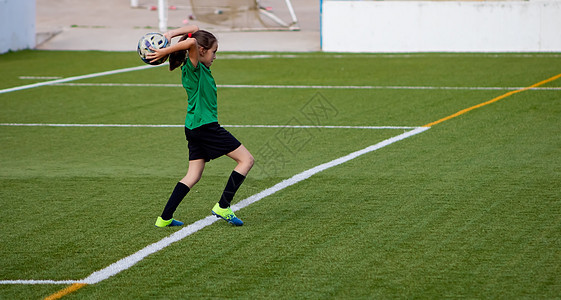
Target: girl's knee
point(245, 164)
point(250, 160)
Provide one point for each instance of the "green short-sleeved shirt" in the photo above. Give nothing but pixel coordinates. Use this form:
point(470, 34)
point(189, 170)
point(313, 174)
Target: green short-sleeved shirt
point(201, 92)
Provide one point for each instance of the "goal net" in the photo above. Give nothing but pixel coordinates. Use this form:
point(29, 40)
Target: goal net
point(246, 14)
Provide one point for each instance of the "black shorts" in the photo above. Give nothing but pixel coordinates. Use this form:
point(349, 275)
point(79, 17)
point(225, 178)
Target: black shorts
point(210, 141)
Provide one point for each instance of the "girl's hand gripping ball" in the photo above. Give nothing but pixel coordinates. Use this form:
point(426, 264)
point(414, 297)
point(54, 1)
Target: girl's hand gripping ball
point(151, 41)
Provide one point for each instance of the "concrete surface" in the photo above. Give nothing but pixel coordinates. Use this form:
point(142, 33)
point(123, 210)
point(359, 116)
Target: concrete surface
point(113, 25)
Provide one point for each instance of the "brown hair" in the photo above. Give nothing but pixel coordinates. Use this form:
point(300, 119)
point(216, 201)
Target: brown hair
point(204, 39)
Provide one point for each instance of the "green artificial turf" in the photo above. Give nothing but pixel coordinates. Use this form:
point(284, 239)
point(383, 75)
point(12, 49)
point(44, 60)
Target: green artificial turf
point(470, 208)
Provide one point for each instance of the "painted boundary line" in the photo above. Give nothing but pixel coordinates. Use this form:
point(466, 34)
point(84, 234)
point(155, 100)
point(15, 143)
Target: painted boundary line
point(175, 126)
point(258, 56)
point(382, 55)
point(51, 82)
point(31, 281)
point(131, 260)
point(339, 87)
point(463, 111)
point(66, 291)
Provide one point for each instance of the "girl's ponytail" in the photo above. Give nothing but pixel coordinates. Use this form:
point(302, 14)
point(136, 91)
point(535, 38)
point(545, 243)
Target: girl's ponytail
point(176, 59)
point(204, 39)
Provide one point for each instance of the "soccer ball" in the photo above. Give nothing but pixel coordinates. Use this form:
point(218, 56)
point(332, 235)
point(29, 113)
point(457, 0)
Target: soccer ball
point(154, 40)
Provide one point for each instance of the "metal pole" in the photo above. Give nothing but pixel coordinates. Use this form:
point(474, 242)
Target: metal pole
point(291, 10)
point(163, 15)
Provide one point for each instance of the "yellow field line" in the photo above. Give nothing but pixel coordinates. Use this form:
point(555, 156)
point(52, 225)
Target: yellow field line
point(463, 111)
point(66, 291)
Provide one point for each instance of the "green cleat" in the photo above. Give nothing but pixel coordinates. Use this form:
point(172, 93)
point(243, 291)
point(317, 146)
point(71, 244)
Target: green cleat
point(227, 214)
point(163, 223)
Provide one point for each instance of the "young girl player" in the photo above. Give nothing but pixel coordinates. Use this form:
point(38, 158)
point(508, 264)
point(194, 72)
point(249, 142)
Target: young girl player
point(194, 52)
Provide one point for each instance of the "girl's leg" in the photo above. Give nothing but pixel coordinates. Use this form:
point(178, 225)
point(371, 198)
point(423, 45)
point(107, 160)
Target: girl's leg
point(194, 173)
point(245, 161)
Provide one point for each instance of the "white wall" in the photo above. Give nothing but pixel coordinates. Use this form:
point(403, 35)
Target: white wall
point(17, 25)
point(441, 26)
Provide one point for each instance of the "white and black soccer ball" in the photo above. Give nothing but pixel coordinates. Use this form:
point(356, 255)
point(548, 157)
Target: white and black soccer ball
point(154, 40)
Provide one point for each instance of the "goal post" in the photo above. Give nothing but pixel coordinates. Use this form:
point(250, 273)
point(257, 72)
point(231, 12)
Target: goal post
point(246, 14)
point(163, 15)
point(236, 15)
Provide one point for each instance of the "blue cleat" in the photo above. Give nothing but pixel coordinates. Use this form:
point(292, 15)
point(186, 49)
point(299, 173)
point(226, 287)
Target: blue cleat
point(164, 223)
point(226, 214)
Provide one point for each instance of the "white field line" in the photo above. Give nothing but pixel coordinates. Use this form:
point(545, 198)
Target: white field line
point(259, 56)
point(40, 77)
point(227, 56)
point(377, 87)
point(39, 281)
point(74, 78)
point(133, 259)
point(397, 55)
point(270, 86)
point(231, 126)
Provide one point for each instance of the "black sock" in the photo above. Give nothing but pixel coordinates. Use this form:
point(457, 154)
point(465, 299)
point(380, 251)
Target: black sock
point(179, 192)
point(236, 179)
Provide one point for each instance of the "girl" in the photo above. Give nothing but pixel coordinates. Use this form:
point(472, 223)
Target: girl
point(195, 53)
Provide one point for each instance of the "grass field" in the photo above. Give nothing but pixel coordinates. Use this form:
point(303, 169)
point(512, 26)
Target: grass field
point(470, 208)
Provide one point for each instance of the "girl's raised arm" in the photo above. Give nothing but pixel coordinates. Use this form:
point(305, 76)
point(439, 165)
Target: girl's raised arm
point(181, 31)
point(182, 45)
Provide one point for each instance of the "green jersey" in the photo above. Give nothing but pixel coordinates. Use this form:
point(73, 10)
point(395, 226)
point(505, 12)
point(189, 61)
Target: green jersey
point(201, 92)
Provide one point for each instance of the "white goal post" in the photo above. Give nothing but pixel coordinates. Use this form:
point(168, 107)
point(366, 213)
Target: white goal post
point(163, 15)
